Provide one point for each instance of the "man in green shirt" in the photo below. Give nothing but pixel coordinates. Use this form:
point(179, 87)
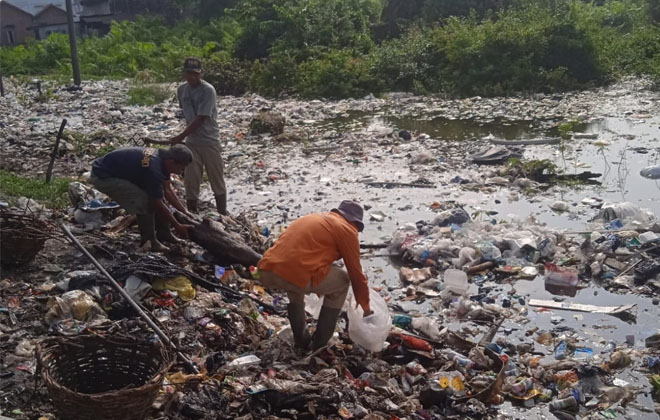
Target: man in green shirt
point(197, 100)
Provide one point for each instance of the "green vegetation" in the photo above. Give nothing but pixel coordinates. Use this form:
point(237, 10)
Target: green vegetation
point(53, 195)
point(77, 140)
point(533, 169)
point(349, 48)
point(105, 150)
point(566, 129)
point(148, 94)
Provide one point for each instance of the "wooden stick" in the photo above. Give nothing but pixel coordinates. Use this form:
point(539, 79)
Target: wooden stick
point(159, 142)
point(378, 255)
point(187, 363)
point(480, 267)
point(53, 155)
point(398, 184)
point(374, 246)
point(621, 274)
point(488, 337)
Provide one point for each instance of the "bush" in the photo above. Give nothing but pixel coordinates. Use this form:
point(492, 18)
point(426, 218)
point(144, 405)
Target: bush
point(229, 76)
point(529, 50)
point(275, 76)
point(338, 74)
point(148, 95)
point(326, 47)
point(408, 64)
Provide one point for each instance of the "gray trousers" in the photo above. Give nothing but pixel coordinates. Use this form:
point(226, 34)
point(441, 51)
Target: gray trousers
point(207, 157)
point(128, 195)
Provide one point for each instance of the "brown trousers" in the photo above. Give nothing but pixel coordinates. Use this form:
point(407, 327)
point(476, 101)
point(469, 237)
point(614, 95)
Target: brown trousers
point(333, 288)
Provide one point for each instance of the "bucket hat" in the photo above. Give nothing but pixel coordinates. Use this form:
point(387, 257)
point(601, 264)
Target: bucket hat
point(352, 212)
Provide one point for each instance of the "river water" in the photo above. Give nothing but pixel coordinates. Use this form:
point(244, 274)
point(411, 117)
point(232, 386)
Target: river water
point(281, 183)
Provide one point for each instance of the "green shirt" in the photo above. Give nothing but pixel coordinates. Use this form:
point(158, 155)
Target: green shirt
point(196, 101)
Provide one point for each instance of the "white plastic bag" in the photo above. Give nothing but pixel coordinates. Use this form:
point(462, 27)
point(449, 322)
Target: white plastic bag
point(369, 332)
point(456, 281)
point(313, 304)
point(427, 326)
point(628, 213)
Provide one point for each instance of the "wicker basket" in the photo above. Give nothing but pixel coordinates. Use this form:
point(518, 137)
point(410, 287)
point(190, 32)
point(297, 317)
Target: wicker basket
point(21, 238)
point(91, 377)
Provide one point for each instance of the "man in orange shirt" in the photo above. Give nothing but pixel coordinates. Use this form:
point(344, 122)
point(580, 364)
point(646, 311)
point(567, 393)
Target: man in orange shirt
point(300, 262)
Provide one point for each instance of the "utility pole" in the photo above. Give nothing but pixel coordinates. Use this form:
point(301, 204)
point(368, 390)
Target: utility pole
point(74, 46)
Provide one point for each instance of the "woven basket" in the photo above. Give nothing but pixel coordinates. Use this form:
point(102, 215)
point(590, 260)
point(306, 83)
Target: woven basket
point(21, 238)
point(91, 377)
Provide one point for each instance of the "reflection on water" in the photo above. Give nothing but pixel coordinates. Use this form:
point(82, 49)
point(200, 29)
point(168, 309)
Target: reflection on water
point(448, 129)
point(443, 128)
point(623, 146)
point(469, 129)
point(561, 290)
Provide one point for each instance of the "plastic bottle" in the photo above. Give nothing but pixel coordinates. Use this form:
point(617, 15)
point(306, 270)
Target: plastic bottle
point(245, 361)
point(456, 281)
point(564, 403)
point(521, 387)
point(561, 351)
point(511, 369)
point(460, 360)
point(653, 362)
point(560, 276)
point(402, 321)
point(577, 394)
point(415, 343)
point(489, 251)
point(254, 271)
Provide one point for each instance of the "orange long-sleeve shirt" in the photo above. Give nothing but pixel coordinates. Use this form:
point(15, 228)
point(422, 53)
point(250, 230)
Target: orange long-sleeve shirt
point(305, 251)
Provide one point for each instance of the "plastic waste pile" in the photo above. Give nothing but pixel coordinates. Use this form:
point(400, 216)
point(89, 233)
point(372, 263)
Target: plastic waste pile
point(451, 241)
point(457, 332)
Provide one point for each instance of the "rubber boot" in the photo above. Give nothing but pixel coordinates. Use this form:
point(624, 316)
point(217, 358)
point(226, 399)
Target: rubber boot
point(298, 320)
point(191, 205)
point(164, 233)
point(148, 232)
point(325, 327)
point(221, 203)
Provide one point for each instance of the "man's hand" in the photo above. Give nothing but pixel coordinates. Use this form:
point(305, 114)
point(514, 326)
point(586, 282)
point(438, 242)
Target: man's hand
point(183, 231)
point(367, 310)
point(176, 139)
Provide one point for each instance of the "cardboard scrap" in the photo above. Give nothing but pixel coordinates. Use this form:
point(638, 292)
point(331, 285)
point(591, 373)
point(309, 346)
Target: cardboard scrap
point(569, 306)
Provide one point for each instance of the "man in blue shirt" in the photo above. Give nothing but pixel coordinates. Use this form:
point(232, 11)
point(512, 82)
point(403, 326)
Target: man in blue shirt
point(138, 178)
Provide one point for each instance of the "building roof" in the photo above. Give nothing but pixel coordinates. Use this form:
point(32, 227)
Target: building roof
point(35, 7)
point(50, 6)
point(6, 3)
